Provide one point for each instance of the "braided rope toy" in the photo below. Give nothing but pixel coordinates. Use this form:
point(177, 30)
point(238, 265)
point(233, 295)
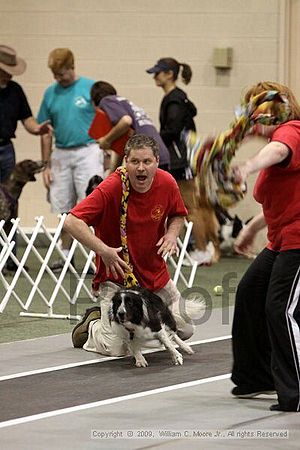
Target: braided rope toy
point(129, 279)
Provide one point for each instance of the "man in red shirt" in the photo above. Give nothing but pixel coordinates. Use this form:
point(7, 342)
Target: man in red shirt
point(152, 213)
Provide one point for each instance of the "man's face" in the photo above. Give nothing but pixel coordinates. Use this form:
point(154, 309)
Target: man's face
point(141, 165)
point(64, 77)
point(4, 78)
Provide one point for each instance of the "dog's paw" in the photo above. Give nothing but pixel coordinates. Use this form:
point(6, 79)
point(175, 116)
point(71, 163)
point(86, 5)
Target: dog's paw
point(187, 349)
point(141, 362)
point(177, 358)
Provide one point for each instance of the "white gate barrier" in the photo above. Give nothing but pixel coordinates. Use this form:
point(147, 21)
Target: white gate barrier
point(78, 278)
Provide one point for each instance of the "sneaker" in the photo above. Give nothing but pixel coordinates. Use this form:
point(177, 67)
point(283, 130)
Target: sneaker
point(248, 392)
point(80, 331)
point(58, 265)
point(277, 407)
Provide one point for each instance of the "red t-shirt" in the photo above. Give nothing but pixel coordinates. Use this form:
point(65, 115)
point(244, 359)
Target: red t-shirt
point(278, 190)
point(146, 217)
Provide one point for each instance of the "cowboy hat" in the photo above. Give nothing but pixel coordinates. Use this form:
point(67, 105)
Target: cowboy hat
point(9, 62)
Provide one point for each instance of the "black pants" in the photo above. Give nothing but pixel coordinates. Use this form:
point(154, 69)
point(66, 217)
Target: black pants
point(266, 327)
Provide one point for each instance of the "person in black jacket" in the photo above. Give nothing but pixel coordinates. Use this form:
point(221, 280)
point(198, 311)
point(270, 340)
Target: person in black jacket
point(176, 113)
point(176, 117)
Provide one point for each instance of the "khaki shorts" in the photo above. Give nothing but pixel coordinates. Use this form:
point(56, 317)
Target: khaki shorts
point(101, 338)
point(71, 171)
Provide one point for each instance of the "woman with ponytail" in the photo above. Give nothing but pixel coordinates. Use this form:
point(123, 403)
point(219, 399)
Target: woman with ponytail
point(176, 112)
point(176, 119)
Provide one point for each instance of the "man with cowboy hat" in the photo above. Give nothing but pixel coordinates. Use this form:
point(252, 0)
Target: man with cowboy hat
point(13, 107)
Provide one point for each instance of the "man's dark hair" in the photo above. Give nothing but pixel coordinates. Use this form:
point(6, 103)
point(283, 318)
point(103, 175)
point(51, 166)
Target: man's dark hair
point(101, 89)
point(139, 141)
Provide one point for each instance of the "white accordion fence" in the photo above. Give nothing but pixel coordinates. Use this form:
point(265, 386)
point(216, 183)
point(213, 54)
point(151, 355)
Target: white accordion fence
point(81, 284)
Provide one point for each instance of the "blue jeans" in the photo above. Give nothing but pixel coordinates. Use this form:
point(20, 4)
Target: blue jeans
point(7, 161)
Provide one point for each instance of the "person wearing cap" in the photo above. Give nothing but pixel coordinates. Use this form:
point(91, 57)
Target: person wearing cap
point(125, 117)
point(176, 117)
point(176, 113)
point(75, 157)
point(14, 107)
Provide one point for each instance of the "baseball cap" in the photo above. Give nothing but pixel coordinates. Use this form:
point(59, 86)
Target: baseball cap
point(160, 66)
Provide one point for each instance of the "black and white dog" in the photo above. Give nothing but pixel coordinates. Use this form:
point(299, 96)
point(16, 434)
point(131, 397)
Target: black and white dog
point(229, 230)
point(137, 315)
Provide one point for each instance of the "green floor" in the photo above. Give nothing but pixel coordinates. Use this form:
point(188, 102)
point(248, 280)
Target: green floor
point(14, 327)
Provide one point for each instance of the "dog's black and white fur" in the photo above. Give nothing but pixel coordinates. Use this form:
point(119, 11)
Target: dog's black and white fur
point(229, 230)
point(138, 315)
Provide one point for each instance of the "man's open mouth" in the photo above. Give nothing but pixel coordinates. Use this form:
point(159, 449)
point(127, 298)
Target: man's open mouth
point(141, 177)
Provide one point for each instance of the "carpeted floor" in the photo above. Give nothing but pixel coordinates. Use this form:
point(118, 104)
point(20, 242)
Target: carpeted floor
point(13, 327)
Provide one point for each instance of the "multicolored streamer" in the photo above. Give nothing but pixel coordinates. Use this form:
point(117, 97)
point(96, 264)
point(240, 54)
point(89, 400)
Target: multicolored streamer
point(210, 162)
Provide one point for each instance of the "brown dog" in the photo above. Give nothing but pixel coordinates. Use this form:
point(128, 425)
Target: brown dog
point(205, 223)
point(11, 189)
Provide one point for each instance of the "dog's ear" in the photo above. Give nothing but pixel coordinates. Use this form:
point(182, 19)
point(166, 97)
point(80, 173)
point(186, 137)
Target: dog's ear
point(114, 305)
point(134, 302)
point(93, 183)
point(96, 180)
point(153, 299)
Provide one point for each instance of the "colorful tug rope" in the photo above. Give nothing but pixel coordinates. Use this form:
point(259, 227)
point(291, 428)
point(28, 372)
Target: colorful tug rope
point(210, 162)
point(129, 280)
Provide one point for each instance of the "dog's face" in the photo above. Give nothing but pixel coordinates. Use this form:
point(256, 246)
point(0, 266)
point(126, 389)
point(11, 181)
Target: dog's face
point(26, 169)
point(127, 306)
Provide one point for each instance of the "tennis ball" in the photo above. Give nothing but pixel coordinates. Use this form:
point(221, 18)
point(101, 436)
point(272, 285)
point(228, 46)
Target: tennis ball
point(218, 290)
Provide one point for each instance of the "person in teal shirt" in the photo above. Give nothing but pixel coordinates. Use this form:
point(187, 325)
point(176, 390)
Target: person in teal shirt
point(75, 157)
